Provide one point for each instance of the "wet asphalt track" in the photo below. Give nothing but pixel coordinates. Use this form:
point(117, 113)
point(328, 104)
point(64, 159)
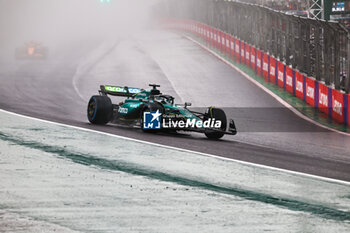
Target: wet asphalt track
point(58, 90)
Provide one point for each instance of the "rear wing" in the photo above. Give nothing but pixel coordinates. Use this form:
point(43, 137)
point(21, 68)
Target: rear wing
point(119, 91)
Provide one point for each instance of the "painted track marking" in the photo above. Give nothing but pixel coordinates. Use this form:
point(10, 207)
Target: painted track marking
point(184, 150)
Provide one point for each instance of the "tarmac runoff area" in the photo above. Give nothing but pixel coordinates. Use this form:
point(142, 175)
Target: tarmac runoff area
point(56, 178)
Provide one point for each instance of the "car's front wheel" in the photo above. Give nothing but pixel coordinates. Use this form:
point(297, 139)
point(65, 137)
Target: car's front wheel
point(217, 114)
point(100, 110)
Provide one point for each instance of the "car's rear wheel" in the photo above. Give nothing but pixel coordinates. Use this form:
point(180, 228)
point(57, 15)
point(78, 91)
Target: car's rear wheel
point(217, 114)
point(100, 110)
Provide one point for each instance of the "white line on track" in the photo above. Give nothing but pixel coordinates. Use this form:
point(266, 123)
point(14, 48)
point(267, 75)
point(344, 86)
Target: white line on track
point(184, 150)
point(74, 82)
point(279, 99)
point(79, 71)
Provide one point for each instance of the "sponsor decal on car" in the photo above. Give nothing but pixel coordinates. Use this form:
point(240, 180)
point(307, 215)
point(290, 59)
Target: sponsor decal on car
point(123, 110)
point(134, 90)
point(122, 89)
point(115, 89)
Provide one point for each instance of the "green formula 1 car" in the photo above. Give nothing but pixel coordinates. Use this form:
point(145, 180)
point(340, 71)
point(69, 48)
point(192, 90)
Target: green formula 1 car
point(153, 111)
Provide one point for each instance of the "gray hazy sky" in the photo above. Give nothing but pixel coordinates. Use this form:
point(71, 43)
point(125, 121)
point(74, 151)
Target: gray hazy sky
point(54, 21)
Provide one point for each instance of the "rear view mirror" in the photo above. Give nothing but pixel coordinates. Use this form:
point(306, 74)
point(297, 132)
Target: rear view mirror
point(187, 104)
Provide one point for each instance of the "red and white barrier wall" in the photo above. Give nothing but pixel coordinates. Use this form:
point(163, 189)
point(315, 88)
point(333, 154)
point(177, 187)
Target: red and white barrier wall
point(334, 103)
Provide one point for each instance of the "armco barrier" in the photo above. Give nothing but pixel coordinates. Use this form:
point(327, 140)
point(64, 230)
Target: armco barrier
point(299, 85)
point(223, 44)
point(289, 80)
point(242, 47)
point(280, 74)
point(218, 38)
point(232, 48)
point(252, 58)
point(338, 110)
point(247, 55)
point(237, 51)
point(323, 98)
point(310, 91)
point(206, 34)
point(329, 101)
point(258, 61)
point(265, 66)
point(273, 70)
point(200, 33)
point(215, 38)
point(347, 105)
point(212, 37)
point(227, 45)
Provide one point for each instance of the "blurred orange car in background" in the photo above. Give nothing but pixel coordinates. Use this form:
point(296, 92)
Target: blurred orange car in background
point(31, 50)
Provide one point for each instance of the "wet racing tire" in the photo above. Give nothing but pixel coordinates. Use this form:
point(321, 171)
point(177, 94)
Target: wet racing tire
point(220, 115)
point(100, 110)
